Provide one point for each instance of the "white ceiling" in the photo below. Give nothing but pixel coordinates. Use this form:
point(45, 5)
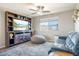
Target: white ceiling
point(23, 8)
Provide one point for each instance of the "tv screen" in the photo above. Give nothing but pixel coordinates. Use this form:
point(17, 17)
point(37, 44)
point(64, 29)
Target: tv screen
point(20, 24)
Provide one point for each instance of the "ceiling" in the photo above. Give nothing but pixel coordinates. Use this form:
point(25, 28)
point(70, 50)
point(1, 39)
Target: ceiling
point(23, 8)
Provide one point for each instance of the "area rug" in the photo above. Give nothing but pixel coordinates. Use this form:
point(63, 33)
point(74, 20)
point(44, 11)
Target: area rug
point(27, 49)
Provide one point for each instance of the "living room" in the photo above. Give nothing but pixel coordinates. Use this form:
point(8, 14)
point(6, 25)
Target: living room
point(46, 24)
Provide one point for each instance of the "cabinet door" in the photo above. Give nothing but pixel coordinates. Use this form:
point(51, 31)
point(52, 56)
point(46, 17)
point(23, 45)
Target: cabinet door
point(27, 36)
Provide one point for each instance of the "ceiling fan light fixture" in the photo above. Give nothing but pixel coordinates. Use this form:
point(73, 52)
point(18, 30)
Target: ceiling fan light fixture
point(40, 7)
point(39, 13)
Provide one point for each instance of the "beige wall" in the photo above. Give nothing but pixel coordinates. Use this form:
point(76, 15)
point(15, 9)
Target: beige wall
point(65, 24)
point(2, 29)
point(77, 6)
point(76, 24)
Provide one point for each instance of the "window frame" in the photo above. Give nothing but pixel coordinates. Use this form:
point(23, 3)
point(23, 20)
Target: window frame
point(49, 20)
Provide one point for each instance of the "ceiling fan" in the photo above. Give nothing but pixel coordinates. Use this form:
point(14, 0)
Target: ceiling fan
point(40, 10)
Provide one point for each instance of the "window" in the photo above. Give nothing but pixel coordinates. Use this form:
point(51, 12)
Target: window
point(49, 24)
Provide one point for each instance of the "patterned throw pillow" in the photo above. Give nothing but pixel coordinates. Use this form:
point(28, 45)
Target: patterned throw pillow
point(69, 43)
point(70, 40)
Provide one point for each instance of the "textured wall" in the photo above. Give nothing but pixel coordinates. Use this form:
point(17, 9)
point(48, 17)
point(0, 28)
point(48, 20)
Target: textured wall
point(2, 29)
point(66, 24)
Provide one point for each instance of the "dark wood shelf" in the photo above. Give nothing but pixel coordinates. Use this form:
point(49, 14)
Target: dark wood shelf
point(10, 31)
point(10, 26)
point(10, 21)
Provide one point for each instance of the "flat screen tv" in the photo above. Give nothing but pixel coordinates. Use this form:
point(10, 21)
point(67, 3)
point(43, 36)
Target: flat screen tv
point(20, 25)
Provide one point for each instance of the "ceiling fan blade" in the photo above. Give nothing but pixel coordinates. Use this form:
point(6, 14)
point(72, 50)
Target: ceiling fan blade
point(32, 10)
point(46, 11)
point(34, 13)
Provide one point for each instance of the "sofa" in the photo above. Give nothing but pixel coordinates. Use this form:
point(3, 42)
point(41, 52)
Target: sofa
point(70, 44)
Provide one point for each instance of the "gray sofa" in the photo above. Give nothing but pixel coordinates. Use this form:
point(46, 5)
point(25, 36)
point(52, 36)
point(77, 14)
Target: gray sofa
point(71, 44)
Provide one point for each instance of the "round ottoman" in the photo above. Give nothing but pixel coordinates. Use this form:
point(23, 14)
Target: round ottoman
point(38, 39)
point(60, 53)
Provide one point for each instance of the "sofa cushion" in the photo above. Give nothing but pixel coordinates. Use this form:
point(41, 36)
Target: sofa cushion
point(69, 42)
point(75, 40)
point(61, 40)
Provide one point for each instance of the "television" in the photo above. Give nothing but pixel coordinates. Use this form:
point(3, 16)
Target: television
point(20, 25)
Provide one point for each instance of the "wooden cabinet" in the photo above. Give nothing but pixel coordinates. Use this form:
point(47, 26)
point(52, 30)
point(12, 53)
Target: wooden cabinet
point(9, 27)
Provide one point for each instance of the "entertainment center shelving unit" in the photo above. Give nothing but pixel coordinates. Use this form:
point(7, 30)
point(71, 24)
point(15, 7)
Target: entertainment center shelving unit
point(16, 37)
